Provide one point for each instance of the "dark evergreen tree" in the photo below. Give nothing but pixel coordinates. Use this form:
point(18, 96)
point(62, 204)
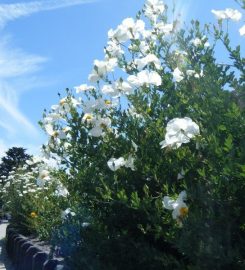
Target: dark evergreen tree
point(14, 157)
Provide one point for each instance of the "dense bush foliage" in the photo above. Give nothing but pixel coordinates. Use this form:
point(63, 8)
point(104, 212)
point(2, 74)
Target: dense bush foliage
point(35, 198)
point(152, 153)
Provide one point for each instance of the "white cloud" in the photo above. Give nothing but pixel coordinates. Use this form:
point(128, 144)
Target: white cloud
point(10, 12)
point(15, 62)
point(11, 119)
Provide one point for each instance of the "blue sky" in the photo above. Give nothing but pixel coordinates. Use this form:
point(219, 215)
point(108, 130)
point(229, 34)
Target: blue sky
point(48, 45)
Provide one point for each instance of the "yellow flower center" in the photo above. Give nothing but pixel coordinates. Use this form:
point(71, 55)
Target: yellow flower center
point(33, 214)
point(63, 101)
point(108, 102)
point(55, 134)
point(183, 211)
point(88, 117)
point(103, 126)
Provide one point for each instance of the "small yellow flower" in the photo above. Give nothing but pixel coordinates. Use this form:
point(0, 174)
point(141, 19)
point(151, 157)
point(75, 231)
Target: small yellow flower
point(33, 214)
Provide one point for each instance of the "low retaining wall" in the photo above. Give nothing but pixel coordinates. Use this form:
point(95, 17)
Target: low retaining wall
point(25, 255)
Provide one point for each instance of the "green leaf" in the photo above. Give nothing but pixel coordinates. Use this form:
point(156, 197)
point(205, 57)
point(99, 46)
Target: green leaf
point(228, 143)
point(135, 200)
point(122, 196)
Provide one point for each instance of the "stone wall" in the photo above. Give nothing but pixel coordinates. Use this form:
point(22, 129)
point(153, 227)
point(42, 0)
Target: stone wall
point(25, 255)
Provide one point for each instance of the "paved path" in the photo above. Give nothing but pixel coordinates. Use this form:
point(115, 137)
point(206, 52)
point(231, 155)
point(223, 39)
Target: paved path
point(4, 262)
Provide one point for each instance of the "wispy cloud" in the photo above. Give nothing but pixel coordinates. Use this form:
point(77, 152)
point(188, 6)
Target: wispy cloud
point(18, 66)
point(10, 12)
point(15, 62)
point(16, 121)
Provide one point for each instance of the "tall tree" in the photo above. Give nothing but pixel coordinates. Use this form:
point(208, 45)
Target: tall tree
point(14, 157)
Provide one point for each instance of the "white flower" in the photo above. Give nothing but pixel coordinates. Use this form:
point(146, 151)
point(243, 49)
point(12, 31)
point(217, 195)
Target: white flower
point(99, 125)
point(101, 68)
point(43, 177)
point(163, 28)
point(129, 162)
point(123, 87)
point(199, 75)
point(191, 72)
point(179, 130)
point(181, 174)
point(128, 29)
point(92, 105)
point(44, 174)
point(83, 88)
point(31, 190)
point(228, 13)
point(242, 30)
point(115, 164)
point(197, 42)
point(131, 111)
point(52, 117)
point(66, 213)
point(113, 49)
point(64, 102)
point(145, 77)
point(149, 59)
point(85, 224)
point(178, 75)
point(122, 33)
point(62, 191)
point(110, 89)
point(61, 134)
point(153, 8)
point(135, 146)
point(87, 117)
point(179, 207)
point(144, 47)
point(64, 106)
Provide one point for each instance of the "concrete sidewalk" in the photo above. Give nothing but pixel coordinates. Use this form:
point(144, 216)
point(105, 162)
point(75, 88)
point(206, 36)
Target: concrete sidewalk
point(5, 264)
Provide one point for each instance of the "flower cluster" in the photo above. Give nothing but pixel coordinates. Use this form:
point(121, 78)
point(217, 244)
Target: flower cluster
point(180, 130)
point(232, 14)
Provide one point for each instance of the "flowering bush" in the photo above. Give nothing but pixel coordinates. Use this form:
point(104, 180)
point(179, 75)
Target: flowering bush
point(152, 150)
point(35, 198)
point(165, 125)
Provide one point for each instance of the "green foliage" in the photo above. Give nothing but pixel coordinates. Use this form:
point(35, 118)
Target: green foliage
point(129, 227)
